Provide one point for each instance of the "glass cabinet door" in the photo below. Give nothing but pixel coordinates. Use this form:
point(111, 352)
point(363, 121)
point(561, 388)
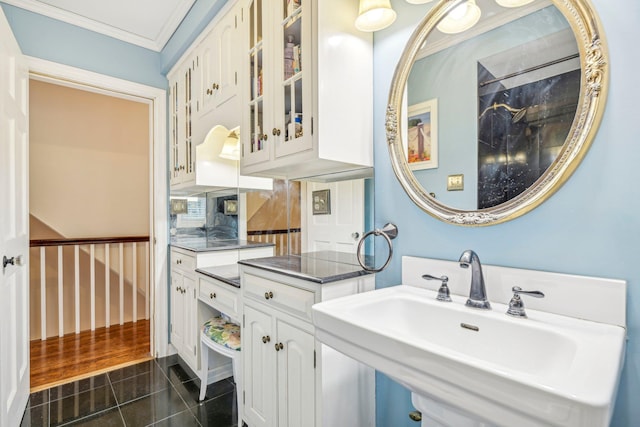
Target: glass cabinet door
point(255, 144)
point(293, 109)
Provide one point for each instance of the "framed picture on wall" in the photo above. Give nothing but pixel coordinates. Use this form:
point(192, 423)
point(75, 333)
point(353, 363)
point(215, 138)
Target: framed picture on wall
point(231, 207)
point(321, 202)
point(421, 146)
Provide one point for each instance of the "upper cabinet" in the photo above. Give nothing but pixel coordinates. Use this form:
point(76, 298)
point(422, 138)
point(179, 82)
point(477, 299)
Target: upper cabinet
point(307, 89)
point(205, 109)
point(219, 81)
point(181, 110)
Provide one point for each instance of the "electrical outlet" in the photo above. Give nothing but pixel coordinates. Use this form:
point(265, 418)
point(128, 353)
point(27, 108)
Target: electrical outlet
point(455, 182)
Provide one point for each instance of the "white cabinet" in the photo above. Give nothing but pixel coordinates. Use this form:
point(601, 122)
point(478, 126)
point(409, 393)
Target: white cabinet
point(185, 323)
point(183, 305)
point(284, 381)
point(204, 94)
point(181, 110)
point(307, 89)
point(220, 58)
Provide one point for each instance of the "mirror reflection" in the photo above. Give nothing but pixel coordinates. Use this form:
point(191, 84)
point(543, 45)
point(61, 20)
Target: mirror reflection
point(317, 215)
point(488, 109)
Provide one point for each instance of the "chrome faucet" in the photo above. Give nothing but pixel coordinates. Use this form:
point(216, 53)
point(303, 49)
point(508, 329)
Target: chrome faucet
point(477, 293)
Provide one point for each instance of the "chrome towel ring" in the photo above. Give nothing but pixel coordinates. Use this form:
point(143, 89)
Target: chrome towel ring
point(389, 232)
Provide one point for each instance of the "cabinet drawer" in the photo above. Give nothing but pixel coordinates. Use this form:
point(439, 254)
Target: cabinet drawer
point(220, 296)
point(183, 261)
point(287, 298)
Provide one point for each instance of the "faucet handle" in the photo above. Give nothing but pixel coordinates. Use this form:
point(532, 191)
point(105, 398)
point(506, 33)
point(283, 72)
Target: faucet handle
point(443, 292)
point(516, 306)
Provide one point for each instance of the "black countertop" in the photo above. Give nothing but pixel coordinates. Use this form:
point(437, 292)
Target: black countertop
point(229, 274)
point(319, 267)
point(202, 244)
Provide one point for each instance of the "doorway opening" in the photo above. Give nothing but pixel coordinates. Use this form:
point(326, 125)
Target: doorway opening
point(91, 228)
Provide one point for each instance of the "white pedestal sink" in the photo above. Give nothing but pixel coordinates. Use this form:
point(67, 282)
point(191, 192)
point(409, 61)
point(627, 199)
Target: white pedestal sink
point(544, 370)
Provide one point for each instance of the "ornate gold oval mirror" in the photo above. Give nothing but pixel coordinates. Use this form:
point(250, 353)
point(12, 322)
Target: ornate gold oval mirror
point(485, 123)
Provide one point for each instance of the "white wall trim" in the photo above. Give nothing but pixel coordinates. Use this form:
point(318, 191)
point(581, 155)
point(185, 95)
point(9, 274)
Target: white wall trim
point(155, 44)
point(156, 98)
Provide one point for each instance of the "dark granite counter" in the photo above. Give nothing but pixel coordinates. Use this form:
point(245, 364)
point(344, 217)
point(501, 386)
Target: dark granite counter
point(319, 267)
point(229, 274)
point(202, 244)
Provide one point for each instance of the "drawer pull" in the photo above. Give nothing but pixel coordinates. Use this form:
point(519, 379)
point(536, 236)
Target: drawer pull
point(266, 339)
point(268, 295)
point(279, 346)
point(213, 295)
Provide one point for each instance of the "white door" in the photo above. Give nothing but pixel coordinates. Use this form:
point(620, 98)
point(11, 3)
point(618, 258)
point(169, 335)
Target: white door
point(14, 230)
point(340, 229)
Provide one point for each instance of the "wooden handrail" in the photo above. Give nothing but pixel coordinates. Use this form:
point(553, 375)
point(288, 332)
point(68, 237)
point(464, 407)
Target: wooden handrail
point(87, 241)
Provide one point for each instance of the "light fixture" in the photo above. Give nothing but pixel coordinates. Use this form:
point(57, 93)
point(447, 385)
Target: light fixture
point(461, 18)
point(231, 147)
point(419, 1)
point(513, 3)
point(374, 15)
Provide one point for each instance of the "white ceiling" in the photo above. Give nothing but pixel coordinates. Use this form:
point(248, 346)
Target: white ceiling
point(146, 23)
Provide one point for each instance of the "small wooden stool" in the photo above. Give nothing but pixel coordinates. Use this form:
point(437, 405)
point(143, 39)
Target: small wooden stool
point(223, 337)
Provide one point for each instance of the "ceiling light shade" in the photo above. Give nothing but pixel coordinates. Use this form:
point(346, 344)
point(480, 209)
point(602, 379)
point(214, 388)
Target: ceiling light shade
point(513, 3)
point(231, 147)
point(374, 15)
point(461, 18)
point(420, 1)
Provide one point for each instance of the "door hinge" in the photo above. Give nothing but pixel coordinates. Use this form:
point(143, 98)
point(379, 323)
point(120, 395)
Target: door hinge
point(243, 325)
point(194, 350)
point(311, 125)
point(314, 359)
point(171, 328)
point(244, 397)
point(236, 78)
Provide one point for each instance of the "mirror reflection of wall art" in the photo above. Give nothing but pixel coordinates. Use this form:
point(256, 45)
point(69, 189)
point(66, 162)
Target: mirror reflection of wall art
point(422, 135)
point(321, 202)
point(231, 207)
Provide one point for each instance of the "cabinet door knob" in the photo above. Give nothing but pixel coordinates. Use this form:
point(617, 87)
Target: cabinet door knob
point(266, 339)
point(268, 295)
point(279, 346)
point(265, 137)
point(212, 295)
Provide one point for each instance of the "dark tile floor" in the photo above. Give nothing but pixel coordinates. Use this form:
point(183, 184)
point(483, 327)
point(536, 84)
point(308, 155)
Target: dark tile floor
point(161, 392)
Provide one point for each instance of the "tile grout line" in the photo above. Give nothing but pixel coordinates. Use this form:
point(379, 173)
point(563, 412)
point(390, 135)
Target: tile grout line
point(116, 399)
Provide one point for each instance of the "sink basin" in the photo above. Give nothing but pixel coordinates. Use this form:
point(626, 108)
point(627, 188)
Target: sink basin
point(545, 370)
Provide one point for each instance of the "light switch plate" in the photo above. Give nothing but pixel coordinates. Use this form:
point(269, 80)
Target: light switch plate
point(455, 182)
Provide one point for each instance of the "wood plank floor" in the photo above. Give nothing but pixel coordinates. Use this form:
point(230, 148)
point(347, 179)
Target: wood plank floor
point(75, 356)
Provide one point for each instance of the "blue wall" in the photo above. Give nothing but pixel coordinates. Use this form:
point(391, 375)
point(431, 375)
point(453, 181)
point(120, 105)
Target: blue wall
point(56, 41)
point(591, 226)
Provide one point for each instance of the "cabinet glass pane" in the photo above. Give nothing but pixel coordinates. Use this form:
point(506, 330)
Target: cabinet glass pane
point(259, 21)
point(292, 69)
point(293, 111)
point(252, 20)
point(290, 7)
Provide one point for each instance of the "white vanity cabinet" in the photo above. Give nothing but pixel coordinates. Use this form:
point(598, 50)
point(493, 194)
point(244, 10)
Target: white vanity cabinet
point(307, 89)
point(183, 305)
point(290, 379)
point(185, 324)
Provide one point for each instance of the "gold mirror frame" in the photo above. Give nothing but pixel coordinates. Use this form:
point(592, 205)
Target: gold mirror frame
point(593, 91)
